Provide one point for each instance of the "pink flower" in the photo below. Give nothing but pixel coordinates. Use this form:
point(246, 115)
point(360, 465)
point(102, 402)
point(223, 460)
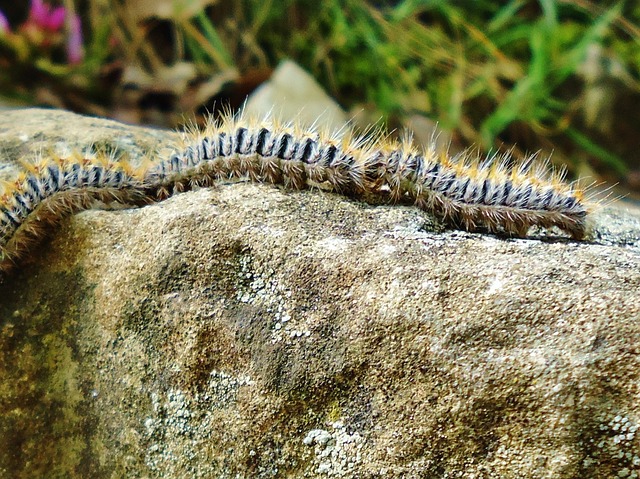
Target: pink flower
point(44, 29)
point(43, 18)
point(46, 18)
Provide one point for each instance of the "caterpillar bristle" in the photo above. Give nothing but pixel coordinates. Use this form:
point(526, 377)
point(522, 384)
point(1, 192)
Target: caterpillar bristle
point(466, 191)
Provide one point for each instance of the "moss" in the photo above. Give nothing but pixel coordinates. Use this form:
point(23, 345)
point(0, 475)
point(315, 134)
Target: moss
point(45, 407)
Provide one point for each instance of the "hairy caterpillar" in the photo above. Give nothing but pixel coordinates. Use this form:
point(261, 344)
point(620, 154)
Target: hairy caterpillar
point(467, 193)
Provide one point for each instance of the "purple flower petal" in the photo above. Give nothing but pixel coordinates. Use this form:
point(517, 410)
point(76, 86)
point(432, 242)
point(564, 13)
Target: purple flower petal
point(4, 24)
point(75, 52)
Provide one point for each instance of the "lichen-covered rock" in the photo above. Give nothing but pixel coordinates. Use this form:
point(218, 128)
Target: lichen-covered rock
point(247, 331)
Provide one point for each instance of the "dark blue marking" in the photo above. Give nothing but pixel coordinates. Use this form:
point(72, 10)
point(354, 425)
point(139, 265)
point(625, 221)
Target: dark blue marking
point(35, 186)
point(284, 145)
point(241, 133)
point(328, 155)
point(569, 202)
point(20, 199)
point(546, 197)
point(72, 178)
point(434, 170)
point(446, 183)
point(206, 149)
point(394, 160)
point(118, 176)
point(461, 190)
point(263, 135)
point(345, 162)
point(12, 218)
point(54, 173)
point(101, 173)
point(508, 186)
point(221, 137)
point(201, 153)
point(189, 154)
point(418, 165)
point(307, 150)
point(174, 161)
point(486, 185)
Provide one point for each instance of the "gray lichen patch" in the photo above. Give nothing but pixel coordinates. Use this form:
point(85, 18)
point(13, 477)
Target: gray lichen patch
point(337, 453)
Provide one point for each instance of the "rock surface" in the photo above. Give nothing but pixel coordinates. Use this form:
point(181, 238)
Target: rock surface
point(297, 96)
point(246, 331)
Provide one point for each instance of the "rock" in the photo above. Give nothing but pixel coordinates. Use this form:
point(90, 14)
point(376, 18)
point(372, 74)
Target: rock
point(248, 331)
point(294, 94)
point(29, 132)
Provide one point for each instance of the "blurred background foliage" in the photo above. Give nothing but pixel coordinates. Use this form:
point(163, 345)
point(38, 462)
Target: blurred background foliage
point(519, 75)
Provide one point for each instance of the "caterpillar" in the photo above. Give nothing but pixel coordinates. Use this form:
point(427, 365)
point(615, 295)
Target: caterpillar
point(468, 193)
